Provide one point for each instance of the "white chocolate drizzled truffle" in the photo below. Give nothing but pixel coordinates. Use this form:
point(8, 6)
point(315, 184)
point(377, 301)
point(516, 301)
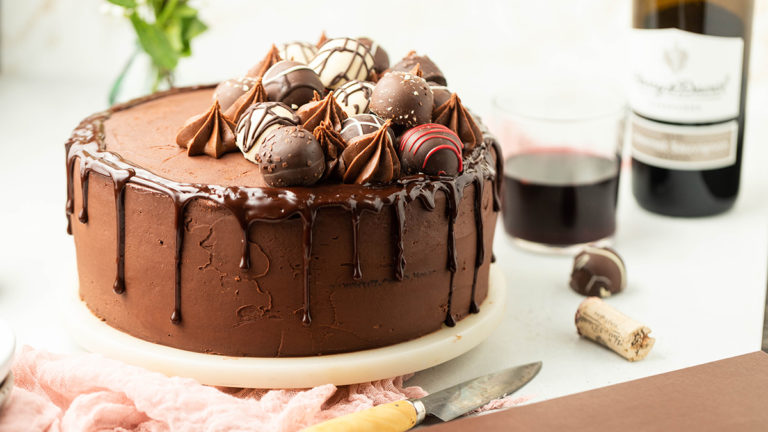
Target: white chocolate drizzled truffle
point(300, 51)
point(257, 121)
point(342, 60)
point(355, 96)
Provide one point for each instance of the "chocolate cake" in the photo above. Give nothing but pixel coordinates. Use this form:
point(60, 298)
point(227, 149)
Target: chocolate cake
point(319, 241)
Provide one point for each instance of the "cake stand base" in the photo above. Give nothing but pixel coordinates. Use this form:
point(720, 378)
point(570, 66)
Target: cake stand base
point(291, 372)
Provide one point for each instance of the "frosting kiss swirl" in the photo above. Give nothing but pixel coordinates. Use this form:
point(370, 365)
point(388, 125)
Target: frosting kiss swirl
point(371, 158)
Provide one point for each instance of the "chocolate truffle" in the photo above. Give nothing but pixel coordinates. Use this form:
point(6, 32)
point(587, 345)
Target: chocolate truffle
point(380, 57)
point(341, 60)
point(355, 96)
point(431, 149)
point(256, 121)
point(227, 92)
point(440, 93)
point(363, 124)
point(430, 70)
point(404, 98)
point(290, 156)
point(598, 271)
point(300, 51)
point(291, 83)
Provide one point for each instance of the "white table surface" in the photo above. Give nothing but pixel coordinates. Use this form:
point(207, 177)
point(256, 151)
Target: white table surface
point(699, 284)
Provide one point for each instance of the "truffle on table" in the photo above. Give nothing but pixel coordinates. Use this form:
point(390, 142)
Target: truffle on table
point(598, 271)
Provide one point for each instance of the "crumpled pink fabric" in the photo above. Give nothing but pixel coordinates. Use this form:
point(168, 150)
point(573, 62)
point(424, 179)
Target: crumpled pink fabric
point(88, 392)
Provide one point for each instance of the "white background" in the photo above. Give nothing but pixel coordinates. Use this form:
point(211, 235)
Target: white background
point(699, 284)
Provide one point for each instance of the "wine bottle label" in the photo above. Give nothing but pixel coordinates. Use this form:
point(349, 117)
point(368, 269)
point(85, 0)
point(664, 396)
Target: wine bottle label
point(684, 147)
point(683, 77)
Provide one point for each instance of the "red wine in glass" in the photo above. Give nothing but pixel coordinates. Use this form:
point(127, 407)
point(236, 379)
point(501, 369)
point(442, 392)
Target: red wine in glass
point(560, 197)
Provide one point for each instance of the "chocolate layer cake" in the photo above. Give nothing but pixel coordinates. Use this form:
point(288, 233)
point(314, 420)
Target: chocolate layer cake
point(259, 256)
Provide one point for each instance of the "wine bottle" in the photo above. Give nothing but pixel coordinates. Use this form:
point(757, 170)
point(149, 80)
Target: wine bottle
point(687, 91)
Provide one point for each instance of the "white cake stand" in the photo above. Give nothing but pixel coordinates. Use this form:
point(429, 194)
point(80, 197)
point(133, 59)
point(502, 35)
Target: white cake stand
point(292, 372)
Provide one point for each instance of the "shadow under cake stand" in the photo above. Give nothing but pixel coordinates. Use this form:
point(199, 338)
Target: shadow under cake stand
point(291, 372)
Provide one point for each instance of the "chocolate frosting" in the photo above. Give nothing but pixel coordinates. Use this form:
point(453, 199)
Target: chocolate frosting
point(254, 95)
point(269, 60)
point(210, 133)
point(453, 115)
point(324, 110)
point(323, 39)
point(371, 158)
point(332, 144)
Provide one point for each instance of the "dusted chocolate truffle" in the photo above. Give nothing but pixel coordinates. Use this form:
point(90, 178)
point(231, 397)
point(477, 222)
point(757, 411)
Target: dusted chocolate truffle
point(291, 83)
point(431, 149)
point(256, 121)
point(440, 93)
point(598, 271)
point(430, 70)
point(300, 51)
point(380, 57)
point(363, 124)
point(404, 98)
point(341, 60)
point(227, 92)
point(290, 156)
point(355, 96)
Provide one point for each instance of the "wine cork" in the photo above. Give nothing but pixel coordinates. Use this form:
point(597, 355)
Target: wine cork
point(598, 321)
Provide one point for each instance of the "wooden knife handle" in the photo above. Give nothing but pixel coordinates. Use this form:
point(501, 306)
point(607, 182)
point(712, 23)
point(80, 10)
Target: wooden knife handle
point(392, 417)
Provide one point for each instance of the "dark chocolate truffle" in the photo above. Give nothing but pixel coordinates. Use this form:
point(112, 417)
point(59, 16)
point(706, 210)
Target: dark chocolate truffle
point(256, 121)
point(291, 83)
point(429, 69)
point(355, 96)
point(300, 51)
point(363, 124)
point(341, 60)
point(440, 92)
point(431, 149)
point(290, 156)
point(598, 271)
point(403, 98)
point(227, 92)
point(380, 57)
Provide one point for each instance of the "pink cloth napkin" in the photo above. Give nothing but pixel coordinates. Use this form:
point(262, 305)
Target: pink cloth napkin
point(87, 392)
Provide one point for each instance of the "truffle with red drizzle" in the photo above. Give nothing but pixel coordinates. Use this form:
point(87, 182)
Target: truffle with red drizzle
point(431, 149)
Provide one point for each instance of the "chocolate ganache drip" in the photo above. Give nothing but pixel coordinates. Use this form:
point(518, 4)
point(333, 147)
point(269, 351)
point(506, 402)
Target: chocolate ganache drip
point(86, 148)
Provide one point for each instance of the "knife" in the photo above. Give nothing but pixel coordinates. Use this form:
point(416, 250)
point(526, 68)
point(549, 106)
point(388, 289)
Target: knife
point(447, 404)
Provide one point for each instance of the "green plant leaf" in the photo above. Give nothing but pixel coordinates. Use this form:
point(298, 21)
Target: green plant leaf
point(155, 43)
point(128, 4)
point(193, 27)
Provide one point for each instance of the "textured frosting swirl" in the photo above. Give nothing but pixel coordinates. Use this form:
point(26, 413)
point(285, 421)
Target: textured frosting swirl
point(332, 144)
point(453, 115)
point(269, 60)
point(371, 158)
point(210, 133)
point(254, 95)
point(323, 110)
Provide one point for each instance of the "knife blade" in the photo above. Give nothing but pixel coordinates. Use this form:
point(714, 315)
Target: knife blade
point(446, 404)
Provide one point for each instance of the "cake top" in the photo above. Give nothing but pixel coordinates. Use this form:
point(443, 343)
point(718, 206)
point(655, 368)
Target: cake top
point(287, 116)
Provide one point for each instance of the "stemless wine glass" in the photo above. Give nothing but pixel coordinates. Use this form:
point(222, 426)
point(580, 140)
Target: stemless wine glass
point(562, 144)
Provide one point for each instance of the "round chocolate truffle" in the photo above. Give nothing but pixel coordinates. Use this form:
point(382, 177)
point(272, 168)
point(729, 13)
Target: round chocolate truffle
point(292, 83)
point(363, 124)
point(290, 156)
point(598, 271)
point(299, 51)
point(380, 57)
point(429, 69)
point(228, 91)
point(256, 121)
point(355, 96)
point(403, 98)
point(440, 92)
point(431, 149)
point(341, 60)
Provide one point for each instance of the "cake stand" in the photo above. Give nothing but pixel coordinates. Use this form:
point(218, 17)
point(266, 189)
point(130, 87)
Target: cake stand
point(291, 372)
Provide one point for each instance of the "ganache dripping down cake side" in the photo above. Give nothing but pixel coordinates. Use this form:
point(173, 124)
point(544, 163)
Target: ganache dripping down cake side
point(322, 203)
